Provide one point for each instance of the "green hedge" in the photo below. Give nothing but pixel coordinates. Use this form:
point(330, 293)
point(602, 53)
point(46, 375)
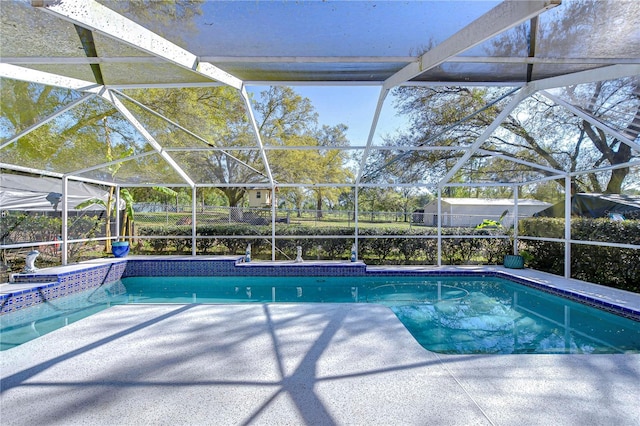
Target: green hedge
point(605, 265)
point(396, 249)
point(615, 267)
point(611, 266)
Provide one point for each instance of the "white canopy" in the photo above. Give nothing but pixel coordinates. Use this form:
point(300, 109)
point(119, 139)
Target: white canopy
point(45, 194)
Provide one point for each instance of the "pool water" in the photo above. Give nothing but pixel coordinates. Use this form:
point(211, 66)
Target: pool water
point(445, 315)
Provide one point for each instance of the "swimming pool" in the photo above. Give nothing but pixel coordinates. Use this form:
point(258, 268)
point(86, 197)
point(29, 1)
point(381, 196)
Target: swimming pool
point(445, 314)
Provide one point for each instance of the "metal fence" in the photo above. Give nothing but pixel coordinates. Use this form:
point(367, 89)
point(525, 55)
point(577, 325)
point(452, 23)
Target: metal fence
point(381, 237)
point(170, 214)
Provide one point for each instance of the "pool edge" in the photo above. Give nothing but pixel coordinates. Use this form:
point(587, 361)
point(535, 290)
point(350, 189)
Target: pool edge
point(50, 283)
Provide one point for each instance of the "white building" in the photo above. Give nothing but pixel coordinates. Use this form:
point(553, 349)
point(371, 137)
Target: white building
point(470, 212)
point(260, 197)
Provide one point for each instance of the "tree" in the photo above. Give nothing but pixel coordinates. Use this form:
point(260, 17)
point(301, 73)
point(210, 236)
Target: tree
point(218, 116)
point(614, 102)
point(330, 165)
point(282, 113)
point(55, 145)
point(408, 202)
point(287, 119)
point(209, 124)
point(612, 151)
point(537, 131)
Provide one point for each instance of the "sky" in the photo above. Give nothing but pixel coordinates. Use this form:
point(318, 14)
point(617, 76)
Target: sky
point(353, 106)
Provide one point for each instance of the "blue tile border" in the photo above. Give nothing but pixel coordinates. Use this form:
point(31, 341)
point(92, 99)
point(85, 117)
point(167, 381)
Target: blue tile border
point(574, 296)
point(54, 285)
point(567, 294)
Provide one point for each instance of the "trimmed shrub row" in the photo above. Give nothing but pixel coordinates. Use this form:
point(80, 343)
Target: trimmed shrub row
point(420, 247)
point(616, 267)
point(611, 266)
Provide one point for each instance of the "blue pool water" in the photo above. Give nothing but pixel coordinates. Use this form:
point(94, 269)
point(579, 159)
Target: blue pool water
point(446, 315)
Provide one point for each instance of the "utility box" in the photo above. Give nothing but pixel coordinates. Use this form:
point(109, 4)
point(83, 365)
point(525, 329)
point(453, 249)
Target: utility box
point(260, 197)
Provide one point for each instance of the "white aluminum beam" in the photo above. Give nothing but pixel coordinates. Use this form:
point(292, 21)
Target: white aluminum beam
point(274, 205)
point(265, 185)
point(140, 128)
point(117, 212)
point(313, 148)
point(635, 163)
point(519, 161)
point(417, 148)
point(213, 59)
point(308, 59)
point(567, 226)
point(89, 180)
point(314, 83)
point(613, 72)
point(593, 120)
point(440, 83)
point(65, 221)
point(516, 218)
point(79, 60)
point(44, 60)
point(356, 224)
point(189, 132)
point(153, 185)
point(47, 119)
point(111, 163)
point(256, 133)
point(439, 243)
point(180, 85)
point(33, 76)
point(350, 185)
point(544, 179)
point(537, 60)
point(505, 15)
point(606, 244)
point(322, 148)
point(482, 184)
point(372, 131)
point(30, 170)
point(96, 17)
point(194, 220)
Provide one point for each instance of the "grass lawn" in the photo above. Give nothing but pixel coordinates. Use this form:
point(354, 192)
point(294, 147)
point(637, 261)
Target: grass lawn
point(172, 219)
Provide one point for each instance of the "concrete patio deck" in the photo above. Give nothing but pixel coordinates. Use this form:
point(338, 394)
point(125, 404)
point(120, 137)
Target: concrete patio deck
point(290, 364)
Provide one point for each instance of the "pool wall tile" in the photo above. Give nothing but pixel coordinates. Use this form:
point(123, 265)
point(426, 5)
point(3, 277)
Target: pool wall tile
point(54, 286)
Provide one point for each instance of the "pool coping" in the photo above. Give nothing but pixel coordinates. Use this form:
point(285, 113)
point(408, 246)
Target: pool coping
point(295, 364)
point(32, 288)
point(302, 364)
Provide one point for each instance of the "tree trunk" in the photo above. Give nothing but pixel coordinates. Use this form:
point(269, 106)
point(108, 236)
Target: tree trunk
point(622, 155)
point(318, 205)
point(234, 195)
point(615, 181)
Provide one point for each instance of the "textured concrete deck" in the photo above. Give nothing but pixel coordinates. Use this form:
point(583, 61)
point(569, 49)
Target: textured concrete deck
point(286, 364)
